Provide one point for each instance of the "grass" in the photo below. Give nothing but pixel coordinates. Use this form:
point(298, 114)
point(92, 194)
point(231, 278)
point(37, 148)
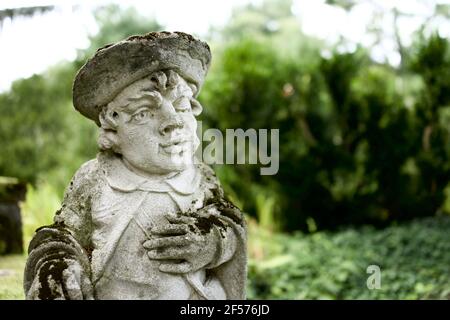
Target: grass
point(11, 277)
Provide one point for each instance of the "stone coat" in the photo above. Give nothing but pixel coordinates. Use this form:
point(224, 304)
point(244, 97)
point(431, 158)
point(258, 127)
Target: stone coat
point(105, 217)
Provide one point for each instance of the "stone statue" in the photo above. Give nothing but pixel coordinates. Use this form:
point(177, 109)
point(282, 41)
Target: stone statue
point(144, 220)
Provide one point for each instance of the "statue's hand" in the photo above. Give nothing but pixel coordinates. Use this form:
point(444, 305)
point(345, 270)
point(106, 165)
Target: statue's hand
point(77, 283)
point(185, 245)
point(70, 283)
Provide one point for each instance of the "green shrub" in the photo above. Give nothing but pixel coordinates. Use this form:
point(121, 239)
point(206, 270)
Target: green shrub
point(359, 142)
point(414, 260)
point(38, 209)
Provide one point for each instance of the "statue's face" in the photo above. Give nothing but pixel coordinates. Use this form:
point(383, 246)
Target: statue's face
point(156, 128)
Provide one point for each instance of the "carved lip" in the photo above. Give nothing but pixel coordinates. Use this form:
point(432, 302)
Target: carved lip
point(175, 141)
point(175, 146)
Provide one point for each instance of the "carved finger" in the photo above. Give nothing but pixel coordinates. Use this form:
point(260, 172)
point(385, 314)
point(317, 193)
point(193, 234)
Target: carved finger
point(33, 293)
point(51, 287)
point(168, 254)
point(57, 291)
point(183, 267)
point(180, 219)
point(170, 229)
point(86, 288)
point(208, 210)
point(167, 242)
point(72, 285)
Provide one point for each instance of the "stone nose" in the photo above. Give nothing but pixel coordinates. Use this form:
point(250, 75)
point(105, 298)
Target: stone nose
point(171, 121)
point(171, 124)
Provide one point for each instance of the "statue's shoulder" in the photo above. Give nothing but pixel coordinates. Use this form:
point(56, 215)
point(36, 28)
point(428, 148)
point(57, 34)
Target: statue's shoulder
point(209, 180)
point(88, 171)
point(86, 179)
point(205, 170)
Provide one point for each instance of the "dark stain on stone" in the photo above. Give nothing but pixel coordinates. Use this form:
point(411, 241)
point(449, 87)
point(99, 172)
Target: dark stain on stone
point(55, 270)
point(225, 206)
point(205, 224)
point(215, 198)
point(89, 250)
point(233, 213)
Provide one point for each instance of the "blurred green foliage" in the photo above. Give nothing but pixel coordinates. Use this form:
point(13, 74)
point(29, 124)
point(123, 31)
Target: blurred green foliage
point(361, 142)
point(413, 260)
point(38, 209)
point(38, 122)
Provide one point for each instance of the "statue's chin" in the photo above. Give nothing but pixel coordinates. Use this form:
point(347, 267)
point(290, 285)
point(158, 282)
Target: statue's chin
point(178, 164)
point(162, 166)
point(178, 160)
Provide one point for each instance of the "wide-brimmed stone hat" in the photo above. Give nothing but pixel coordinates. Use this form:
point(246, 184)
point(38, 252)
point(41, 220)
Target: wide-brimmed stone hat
point(118, 65)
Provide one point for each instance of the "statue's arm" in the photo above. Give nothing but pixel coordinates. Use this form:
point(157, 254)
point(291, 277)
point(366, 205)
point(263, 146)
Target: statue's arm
point(75, 212)
point(230, 229)
point(229, 265)
point(229, 223)
point(58, 266)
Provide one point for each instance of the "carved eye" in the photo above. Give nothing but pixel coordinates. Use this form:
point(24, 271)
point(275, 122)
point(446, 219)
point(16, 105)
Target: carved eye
point(182, 104)
point(141, 115)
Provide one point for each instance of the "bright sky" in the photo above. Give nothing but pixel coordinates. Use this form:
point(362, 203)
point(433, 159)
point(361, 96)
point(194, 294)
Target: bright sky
point(30, 45)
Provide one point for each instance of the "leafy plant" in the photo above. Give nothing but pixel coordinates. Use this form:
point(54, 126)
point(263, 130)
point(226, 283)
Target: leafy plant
point(413, 259)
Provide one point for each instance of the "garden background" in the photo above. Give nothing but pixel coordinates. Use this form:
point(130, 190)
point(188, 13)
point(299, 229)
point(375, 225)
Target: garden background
point(364, 147)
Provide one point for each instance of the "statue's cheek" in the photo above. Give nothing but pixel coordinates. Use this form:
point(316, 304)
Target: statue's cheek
point(190, 122)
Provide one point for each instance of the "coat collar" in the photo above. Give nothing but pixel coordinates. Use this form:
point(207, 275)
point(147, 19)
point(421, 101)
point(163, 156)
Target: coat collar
point(120, 178)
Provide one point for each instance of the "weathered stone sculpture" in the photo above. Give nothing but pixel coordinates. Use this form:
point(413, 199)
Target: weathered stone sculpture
point(143, 220)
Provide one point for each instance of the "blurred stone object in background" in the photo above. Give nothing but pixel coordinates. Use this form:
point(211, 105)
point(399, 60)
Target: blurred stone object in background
point(11, 193)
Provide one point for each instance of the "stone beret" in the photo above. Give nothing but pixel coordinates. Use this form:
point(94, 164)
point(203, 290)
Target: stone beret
point(115, 66)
